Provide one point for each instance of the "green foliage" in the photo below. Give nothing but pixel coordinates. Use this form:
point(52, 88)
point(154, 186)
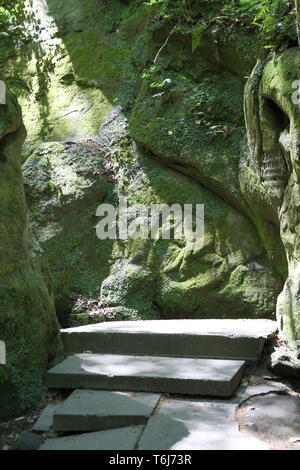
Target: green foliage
point(154, 79)
point(185, 9)
point(11, 21)
point(274, 19)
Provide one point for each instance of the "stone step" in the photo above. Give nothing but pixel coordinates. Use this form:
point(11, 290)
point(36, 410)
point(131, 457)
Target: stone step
point(230, 339)
point(97, 410)
point(192, 376)
point(114, 439)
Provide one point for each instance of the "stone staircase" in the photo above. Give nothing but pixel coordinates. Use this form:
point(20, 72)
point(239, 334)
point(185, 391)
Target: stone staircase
point(120, 369)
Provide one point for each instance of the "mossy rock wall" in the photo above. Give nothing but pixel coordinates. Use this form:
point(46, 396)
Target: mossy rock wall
point(104, 120)
point(270, 171)
point(28, 324)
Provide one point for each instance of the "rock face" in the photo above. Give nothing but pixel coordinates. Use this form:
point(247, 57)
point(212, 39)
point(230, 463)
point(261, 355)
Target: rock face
point(104, 121)
point(270, 172)
point(28, 323)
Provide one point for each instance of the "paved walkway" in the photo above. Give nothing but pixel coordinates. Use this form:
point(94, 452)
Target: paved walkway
point(162, 423)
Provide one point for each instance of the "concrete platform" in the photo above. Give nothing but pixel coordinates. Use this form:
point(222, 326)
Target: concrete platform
point(191, 376)
point(231, 339)
point(95, 410)
point(197, 424)
point(115, 439)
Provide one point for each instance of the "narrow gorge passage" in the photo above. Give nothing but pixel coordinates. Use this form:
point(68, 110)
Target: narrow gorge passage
point(149, 225)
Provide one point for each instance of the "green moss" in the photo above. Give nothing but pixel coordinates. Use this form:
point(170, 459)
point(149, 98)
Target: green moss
point(111, 69)
point(205, 277)
point(269, 175)
point(64, 191)
point(106, 314)
point(195, 127)
point(27, 319)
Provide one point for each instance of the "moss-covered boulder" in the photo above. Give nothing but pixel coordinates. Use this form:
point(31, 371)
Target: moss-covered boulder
point(28, 324)
point(96, 280)
point(270, 171)
point(189, 108)
point(65, 183)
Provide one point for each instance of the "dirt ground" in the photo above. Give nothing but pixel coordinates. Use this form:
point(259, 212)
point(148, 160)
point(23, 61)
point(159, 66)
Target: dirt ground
point(272, 416)
point(11, 430)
